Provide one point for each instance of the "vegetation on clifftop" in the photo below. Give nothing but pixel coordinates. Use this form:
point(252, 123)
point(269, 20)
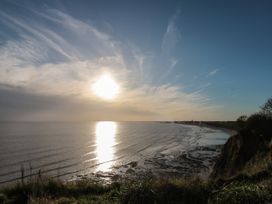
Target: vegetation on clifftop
point(252, 189)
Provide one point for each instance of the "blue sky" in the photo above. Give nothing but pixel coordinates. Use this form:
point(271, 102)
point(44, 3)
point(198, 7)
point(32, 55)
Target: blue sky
point(174, 60)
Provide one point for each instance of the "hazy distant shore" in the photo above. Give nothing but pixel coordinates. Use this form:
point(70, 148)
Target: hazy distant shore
point(229, 127)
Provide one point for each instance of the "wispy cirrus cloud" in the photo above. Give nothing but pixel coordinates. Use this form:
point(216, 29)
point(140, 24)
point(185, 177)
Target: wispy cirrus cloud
point(172, 35)
point(213, 72)
point(169, 42)
point(60, 56)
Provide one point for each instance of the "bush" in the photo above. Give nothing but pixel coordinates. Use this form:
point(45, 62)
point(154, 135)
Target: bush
point(241, 121)
point(267, 107)
point(260, 124)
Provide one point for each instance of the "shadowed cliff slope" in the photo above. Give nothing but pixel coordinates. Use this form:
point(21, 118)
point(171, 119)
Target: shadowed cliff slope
point(252, 141)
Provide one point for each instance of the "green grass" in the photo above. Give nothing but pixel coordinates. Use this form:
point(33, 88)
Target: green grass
point(147, 191)
point(244, 193)
point(240, 189)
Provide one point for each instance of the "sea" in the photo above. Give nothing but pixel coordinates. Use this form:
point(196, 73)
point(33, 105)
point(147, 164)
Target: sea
point(66, 149)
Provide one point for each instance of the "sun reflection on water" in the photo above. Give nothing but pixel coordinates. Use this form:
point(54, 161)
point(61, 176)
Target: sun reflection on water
point(105, 140)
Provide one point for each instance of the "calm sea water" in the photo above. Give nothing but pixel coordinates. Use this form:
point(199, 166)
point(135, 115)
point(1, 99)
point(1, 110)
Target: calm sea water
point(66, 149)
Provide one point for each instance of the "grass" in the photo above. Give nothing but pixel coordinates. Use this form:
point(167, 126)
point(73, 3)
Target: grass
point(237, 193)
point(240, 189)
point(246, 187)
point(147, 191)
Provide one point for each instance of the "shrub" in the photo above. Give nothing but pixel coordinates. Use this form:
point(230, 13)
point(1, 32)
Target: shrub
point(260, 124)
point(267, 107)
point(241, 121)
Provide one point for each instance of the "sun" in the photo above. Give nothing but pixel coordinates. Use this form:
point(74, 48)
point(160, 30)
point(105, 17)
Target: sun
point(105, 87)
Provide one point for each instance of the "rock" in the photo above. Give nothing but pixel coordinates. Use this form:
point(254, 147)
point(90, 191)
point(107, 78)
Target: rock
point(116, 177)
point(133, 164)
point(130, 171)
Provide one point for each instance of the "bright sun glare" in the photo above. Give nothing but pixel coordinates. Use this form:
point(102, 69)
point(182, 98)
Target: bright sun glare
point(105, 144)
point(105, 87)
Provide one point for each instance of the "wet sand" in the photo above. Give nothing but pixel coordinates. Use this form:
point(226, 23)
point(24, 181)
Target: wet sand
point(107, 150)
point(168, 162)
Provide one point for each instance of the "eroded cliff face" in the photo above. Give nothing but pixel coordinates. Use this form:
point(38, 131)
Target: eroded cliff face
point(239, 150)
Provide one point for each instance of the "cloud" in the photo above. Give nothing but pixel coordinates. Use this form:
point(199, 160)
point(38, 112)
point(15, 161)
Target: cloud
point(213, 72)
point(46, 74)
point(19, 105)
point(174, 62)
point(171, 36)
point(169, 42)
point(65, 36)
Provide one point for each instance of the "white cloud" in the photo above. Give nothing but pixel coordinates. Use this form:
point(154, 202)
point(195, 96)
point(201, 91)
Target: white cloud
point(64, 61)
point(174, 62)
point(169, 42)
point(213, 72)
point(171, 36)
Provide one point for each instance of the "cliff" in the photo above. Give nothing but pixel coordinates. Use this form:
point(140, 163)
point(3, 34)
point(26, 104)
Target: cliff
point(240, 150)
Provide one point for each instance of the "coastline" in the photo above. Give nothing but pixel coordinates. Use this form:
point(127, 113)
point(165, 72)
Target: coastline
point(213, 125)
point(183, 155)
point(197, 162)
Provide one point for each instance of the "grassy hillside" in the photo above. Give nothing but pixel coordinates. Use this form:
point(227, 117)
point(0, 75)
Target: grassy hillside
point(243, 188)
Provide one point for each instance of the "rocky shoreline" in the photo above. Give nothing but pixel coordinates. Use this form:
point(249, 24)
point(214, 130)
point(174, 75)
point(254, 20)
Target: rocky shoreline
point(197, 162)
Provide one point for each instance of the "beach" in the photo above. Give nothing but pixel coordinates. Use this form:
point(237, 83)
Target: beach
point(108, 151)
point(171, 160)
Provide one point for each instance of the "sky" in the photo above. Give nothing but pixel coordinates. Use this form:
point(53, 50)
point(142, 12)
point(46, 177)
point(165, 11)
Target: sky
point(173, 60)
